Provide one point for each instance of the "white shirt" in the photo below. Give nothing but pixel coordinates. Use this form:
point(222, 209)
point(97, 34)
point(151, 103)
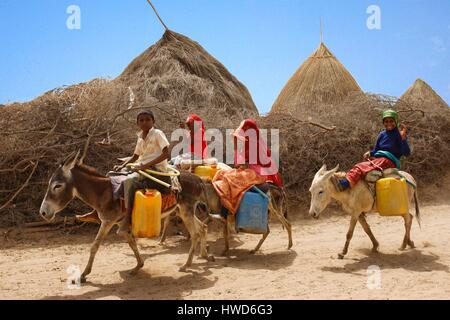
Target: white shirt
point(151, 147)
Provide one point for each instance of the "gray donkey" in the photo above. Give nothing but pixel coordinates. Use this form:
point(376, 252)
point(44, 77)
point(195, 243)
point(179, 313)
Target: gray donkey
point(72, 180)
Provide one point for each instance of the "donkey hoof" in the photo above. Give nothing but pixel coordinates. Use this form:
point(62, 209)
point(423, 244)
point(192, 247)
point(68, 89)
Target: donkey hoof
point(83, 279)
point(135, 271)
point(341, 256)
point(411, 244)
point(252, 252)
point(183, 269)
point(211, 259)
point(224, 253)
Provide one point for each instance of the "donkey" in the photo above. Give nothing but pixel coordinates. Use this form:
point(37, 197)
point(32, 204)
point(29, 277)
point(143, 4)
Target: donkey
point(357, 202)
point(72, 180)
point(277, 207)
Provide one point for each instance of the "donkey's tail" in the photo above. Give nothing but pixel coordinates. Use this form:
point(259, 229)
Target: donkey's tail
point(285, 204)
point(416, 202)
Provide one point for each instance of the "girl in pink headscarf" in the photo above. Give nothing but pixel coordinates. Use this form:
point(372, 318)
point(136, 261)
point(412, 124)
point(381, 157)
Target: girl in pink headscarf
point(197, 135)
point(255, 154)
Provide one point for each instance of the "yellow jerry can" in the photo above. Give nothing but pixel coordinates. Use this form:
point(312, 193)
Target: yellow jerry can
point(146, 218)
point(206, 171)
point(392, 197)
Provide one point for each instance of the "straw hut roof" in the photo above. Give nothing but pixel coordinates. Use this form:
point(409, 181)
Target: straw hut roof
point(320, 80)
point(180, 73)
point(421, 95)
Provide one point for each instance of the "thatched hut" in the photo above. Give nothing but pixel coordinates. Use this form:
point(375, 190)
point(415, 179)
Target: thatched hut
point(180, 73)
point(320, 81)
point(422, 96)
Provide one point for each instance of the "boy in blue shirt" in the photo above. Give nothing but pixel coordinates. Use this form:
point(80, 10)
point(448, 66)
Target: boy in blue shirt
point(392, 144)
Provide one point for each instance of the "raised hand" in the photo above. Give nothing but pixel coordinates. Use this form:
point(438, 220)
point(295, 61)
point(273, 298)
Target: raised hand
point(403, 131)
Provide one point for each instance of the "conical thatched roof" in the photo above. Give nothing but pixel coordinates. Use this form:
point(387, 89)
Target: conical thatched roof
point(321, 80)
point(421, 95)
point(179, 72)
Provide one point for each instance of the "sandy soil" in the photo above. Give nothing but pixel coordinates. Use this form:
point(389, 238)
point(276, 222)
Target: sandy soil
point(32, 267)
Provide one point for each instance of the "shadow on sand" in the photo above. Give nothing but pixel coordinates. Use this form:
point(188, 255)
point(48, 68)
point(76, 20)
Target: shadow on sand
point(145, 286)
point(412, 260)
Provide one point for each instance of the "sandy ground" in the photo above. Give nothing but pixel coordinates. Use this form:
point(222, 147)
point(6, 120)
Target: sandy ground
point(32, 267)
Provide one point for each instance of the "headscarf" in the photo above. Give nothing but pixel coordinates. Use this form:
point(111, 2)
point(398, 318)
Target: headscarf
point(255, 153)
point(391, 114)
point(197, 137)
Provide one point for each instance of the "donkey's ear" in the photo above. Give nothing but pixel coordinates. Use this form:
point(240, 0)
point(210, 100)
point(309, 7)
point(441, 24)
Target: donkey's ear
point(321, 171)
point(331, 172)
point(70, 162)
point(335, 168)
point(67, 158)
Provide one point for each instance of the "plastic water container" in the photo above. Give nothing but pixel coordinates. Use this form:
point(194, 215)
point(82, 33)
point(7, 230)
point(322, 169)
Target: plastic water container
point(392, 197)
point(146, 218)
point(252, 216)
point(206, 171)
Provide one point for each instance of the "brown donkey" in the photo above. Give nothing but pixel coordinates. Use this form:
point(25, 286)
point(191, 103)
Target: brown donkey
point(207, 198)
point(75, 180)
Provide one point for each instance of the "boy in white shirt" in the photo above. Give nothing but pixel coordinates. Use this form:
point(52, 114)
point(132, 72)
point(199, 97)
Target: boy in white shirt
point(151, 152)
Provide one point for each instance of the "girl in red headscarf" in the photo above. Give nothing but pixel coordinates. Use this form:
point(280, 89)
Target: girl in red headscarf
point(197, 135)
point(255, 154)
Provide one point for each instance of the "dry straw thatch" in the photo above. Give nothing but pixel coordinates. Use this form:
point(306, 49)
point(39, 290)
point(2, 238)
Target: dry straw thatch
point(320, 80)
point(423, 96)
point(188, 79)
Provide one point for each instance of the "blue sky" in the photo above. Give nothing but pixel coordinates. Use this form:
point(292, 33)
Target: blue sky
point(261, 42)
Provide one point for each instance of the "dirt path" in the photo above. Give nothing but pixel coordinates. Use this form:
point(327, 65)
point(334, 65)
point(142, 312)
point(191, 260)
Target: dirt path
point(34, 268)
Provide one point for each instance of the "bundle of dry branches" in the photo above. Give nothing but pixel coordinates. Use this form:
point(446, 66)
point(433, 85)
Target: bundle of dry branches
point(37, 136)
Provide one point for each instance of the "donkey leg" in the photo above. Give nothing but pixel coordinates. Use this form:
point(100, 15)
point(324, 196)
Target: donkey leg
point(132, 243)
point(190, 223)
point(365, 225)
point(226, 238)
point(166, 228)
point(261, 241)
point(194, 242)
point(286, 224)
point(102, 232)
point(407, 238)
point(351, 229)
point(410, 242)
point(203, 245)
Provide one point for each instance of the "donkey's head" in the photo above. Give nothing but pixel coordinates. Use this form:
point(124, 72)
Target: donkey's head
point(60, 189)
point(321, 191)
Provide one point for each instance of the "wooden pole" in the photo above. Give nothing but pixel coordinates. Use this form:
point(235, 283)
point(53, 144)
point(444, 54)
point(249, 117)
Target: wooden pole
point(321, 31)
point(157, 15)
